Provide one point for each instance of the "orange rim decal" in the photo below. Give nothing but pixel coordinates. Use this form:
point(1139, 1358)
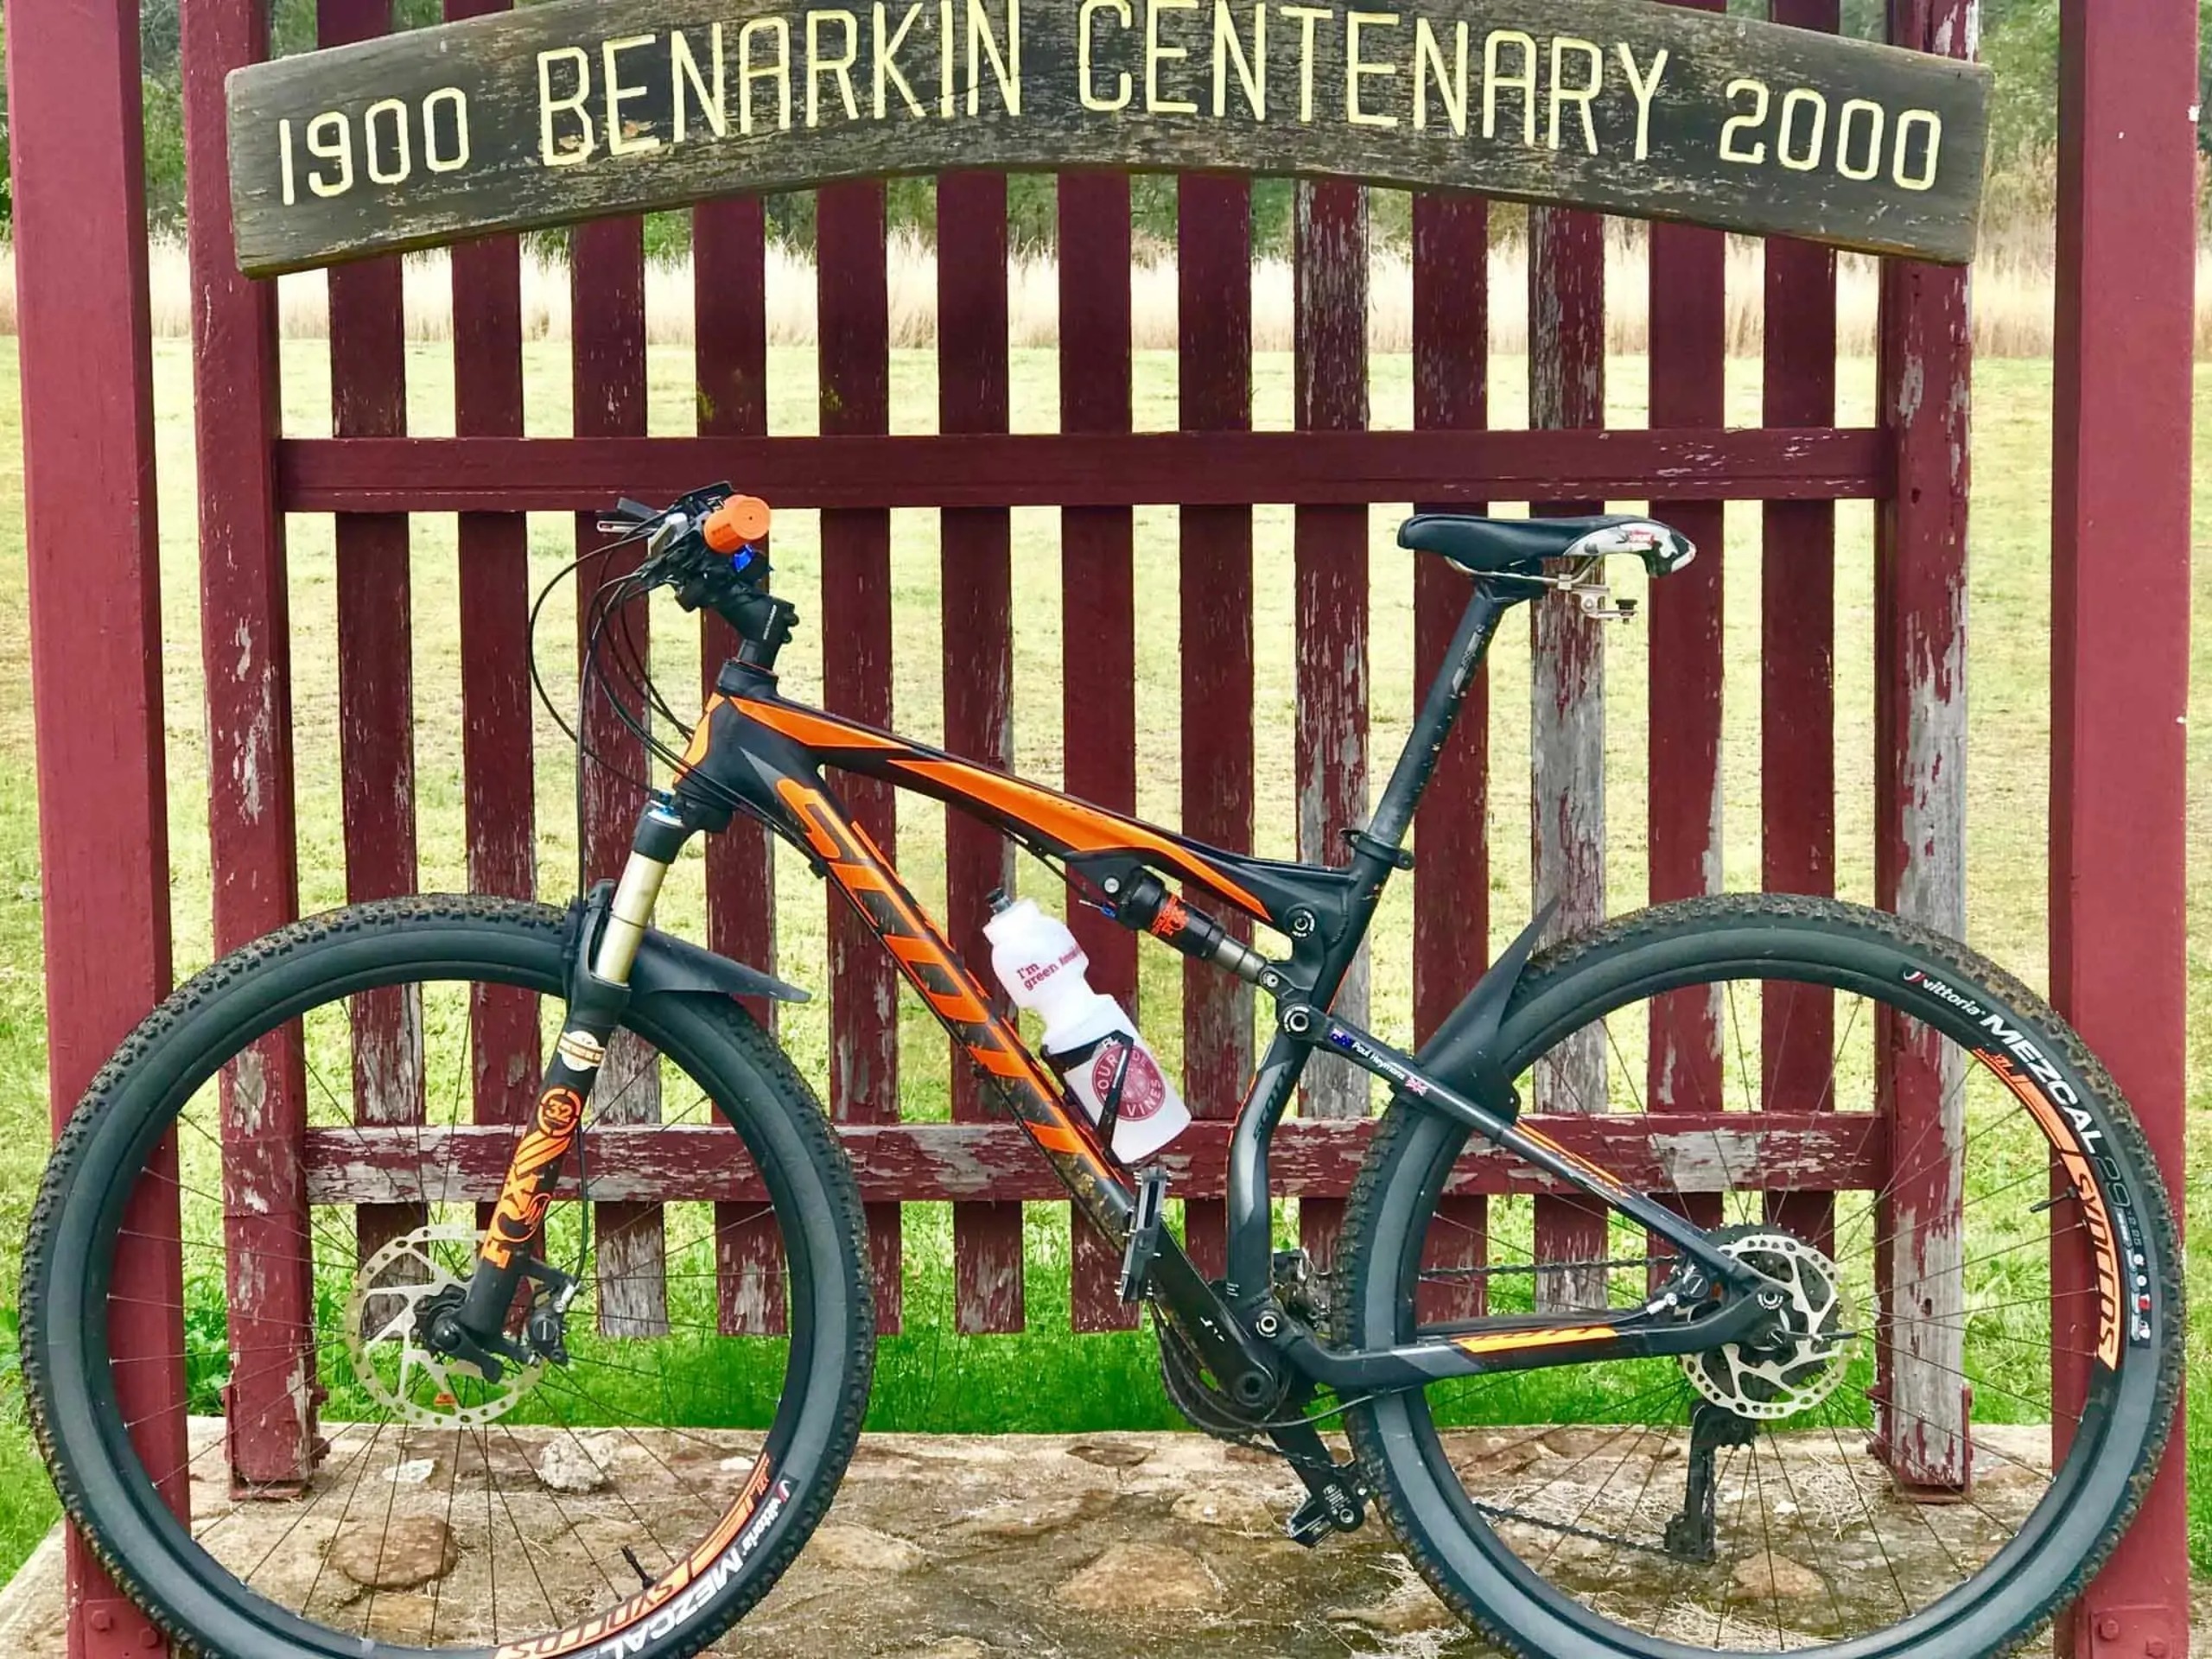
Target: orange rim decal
point(2095, 1220)
point(662, 1590)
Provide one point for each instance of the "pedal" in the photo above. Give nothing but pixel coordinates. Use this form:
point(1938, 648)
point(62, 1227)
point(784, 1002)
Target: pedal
point(1335, 1500)
point(1144, 1234)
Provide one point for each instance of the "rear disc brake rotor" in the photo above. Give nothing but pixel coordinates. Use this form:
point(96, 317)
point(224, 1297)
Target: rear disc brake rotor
point(1804, 1359)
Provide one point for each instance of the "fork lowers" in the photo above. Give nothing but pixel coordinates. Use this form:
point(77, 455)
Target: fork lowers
point(599, 992)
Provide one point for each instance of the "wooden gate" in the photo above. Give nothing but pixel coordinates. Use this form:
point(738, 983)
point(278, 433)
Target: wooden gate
point(96, 622)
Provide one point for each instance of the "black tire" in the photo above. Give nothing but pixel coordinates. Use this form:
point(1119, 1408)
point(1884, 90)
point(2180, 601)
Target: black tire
point(1466, 1546)
point(168, 1064)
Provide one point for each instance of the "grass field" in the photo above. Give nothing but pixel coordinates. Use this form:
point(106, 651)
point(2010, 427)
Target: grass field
point(1044, 1378)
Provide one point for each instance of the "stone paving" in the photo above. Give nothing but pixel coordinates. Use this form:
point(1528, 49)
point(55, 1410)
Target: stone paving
point(943, 1548)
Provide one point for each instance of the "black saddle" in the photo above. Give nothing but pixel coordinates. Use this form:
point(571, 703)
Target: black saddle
point(1518, 547)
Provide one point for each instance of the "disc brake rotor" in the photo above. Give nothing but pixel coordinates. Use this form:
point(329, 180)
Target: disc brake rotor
point(1800, 1361)
point(410, 1380)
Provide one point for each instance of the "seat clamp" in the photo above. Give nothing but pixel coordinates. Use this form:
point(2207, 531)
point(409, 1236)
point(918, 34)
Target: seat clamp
point(1360, 841)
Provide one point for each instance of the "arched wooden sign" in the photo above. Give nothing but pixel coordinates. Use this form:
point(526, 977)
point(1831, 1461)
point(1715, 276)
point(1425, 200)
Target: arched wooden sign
point(576, 110)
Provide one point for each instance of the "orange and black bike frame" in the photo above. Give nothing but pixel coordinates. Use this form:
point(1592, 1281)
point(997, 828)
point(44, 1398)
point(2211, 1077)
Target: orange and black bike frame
point(756, 754)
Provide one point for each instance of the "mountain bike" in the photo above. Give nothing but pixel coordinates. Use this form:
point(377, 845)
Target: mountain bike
point(1909, 1417)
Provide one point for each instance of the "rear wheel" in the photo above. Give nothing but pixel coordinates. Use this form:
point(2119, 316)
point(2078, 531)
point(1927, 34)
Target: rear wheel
point(1975, 1379)
point(650, 1490)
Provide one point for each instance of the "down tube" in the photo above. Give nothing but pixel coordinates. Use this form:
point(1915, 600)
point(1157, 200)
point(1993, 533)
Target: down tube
point(865, 876)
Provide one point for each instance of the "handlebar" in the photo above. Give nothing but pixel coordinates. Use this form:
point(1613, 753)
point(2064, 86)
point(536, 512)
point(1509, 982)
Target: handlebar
point(705, 548)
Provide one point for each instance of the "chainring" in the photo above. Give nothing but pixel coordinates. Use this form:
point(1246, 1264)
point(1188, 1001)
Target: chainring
point(415, 1385)
point(1206, 1406)
point(1806, 1359)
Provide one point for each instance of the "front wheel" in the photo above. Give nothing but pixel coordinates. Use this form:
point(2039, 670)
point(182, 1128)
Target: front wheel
point(338, 1488)
point(1983, 1344)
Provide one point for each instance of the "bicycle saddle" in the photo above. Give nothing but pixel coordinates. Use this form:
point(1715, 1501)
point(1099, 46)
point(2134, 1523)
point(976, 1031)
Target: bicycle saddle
point(1518, 547)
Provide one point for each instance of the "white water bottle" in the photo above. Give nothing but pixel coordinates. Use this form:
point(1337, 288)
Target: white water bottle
point(1088, 1039)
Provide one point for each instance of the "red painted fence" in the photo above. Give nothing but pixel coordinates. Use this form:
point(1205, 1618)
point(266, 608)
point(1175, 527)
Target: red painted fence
point(2121, 617)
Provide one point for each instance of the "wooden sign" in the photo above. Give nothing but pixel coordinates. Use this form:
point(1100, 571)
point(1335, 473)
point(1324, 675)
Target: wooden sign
point(586, 108)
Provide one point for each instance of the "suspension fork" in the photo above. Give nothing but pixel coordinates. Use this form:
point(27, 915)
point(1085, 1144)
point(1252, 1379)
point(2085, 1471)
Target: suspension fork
point(598, 996)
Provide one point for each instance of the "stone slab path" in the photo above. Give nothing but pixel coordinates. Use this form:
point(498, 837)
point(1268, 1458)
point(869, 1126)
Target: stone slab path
point(952, 1547)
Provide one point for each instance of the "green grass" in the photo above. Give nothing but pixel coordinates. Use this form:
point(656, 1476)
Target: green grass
point(1044, 1378)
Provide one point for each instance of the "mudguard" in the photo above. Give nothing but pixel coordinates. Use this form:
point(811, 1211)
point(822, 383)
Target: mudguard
point(1463, 1051)
point(667, 963)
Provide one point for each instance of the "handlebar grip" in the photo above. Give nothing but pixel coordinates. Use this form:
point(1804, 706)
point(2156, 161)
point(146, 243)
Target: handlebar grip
point(740, 520)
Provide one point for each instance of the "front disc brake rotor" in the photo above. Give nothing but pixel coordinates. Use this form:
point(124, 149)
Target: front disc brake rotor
point(1802, 1358)
point(415, 1385)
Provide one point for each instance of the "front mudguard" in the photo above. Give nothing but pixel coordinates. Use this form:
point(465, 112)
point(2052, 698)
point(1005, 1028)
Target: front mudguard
point(666, 964)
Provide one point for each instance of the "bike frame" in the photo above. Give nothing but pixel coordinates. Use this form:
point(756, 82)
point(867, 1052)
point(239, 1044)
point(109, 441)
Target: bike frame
point(752, 751)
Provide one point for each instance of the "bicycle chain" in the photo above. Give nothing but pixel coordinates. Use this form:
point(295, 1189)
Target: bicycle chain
point(1208, 1410)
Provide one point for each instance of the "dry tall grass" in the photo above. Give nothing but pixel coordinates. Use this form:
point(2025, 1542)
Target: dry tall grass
point(2013, 300)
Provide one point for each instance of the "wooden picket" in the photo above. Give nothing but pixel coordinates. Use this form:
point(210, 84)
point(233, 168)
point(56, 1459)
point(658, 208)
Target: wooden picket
point(978, 610)
point(1098, 612)
point(1213, 266)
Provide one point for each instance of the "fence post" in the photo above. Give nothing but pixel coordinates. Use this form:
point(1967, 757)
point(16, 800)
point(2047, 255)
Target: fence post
point(245, 654)
point(1451, 279)
point(1797, 676)
point(1567, 730)
point(729, 288)
point(2121, 651)
point(977, 562)
point(1919, 551)
point(855, 358)
point(1213, 319)
point(93, 570)
point(1330, 561)
point(1688, 289)
point(1098, 696)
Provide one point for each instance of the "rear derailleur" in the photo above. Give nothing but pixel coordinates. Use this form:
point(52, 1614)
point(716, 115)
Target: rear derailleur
point(1336, 1497)
point(440, 1328)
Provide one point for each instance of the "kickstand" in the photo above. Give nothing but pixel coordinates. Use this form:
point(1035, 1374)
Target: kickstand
point(1694, 1535)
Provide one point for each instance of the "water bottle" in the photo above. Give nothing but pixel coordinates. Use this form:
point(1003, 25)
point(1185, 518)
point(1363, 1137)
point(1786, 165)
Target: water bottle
point(1088, 1039)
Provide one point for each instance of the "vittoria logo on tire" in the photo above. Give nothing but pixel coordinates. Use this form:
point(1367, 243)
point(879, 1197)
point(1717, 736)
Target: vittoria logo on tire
point(2123, 1287)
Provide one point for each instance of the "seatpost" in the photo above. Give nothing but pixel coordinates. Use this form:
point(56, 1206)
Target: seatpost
point(1394, 814)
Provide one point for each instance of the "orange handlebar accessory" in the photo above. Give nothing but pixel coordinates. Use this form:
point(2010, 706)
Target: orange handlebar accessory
point(741, 519)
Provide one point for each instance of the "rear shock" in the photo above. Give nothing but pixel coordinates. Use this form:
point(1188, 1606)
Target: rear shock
point(1146, 902)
